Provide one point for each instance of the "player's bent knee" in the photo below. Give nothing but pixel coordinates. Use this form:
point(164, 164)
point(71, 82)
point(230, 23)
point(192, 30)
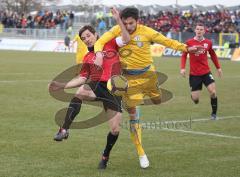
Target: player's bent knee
point(81, 93)
point(80, 96)
point(213, 94)
point(115, 128)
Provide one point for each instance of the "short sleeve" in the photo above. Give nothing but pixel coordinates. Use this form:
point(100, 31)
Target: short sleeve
point(119, 41)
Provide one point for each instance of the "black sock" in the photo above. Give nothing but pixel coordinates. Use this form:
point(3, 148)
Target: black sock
point(73, 110)
point(196, 101)
point(111, 140)
point(214, 104)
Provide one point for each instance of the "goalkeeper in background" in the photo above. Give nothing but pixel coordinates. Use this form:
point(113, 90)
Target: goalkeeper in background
point(137, 66)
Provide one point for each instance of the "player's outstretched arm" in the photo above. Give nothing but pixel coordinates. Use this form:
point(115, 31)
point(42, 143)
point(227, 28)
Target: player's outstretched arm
point(157, 37)
point(55, 86)
point(106, 37)
point(124, 33)
point(75, 82)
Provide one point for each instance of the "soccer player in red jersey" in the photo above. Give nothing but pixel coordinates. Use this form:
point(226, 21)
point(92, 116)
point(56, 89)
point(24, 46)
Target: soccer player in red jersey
point(96, 89)
point(199, 69)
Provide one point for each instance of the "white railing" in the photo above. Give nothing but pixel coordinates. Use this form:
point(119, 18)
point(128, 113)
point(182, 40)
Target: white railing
point(28, 33)
point(58, 33)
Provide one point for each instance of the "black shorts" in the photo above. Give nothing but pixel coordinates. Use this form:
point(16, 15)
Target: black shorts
point(109, 101)
point(196, 82)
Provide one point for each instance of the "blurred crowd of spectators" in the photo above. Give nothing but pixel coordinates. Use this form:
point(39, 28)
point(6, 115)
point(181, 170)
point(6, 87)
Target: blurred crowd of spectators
point(215, 22)
point(42, 19)
point(221, 21)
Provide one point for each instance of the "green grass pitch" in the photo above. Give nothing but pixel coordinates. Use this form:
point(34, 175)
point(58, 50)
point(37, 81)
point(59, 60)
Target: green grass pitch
point(27, 126)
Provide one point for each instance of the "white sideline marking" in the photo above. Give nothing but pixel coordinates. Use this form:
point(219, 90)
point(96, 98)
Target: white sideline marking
point(16, 73)
point(202, 133)
point(15, 81)
point(25, 73)
point(203, 119)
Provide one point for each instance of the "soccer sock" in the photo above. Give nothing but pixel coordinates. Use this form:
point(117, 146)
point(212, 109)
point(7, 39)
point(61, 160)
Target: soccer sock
point(73, 109)
point(136, 136)
point(214, 104)
point(111, 140)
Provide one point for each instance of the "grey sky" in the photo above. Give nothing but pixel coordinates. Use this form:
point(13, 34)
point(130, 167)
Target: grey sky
point(170, 2)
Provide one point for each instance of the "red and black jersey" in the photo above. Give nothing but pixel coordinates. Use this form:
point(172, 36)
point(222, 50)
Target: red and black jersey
point(111, 64)
point(199, 60)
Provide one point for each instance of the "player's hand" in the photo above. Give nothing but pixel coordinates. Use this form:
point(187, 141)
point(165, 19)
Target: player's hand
point(183, 72)
point(195, 49)
point(115, 13)
point(219, 72)
point(99, 60)
point(55, 86)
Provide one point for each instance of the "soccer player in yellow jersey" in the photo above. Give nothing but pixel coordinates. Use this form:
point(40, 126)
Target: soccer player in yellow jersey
point(136, 63)
point(82, 49)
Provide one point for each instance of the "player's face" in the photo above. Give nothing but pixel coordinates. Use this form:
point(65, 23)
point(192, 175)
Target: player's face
point(89, 38)
point(199, 30)
point(130, 24)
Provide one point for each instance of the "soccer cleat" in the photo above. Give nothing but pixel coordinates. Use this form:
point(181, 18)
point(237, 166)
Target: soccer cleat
point(103, 163)
point(62, 134)
point(144, 162)
point(213, 117)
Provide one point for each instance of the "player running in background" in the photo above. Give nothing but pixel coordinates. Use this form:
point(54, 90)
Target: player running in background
point(67, 41)
point(96, 89)
point(136, 62)
point(199, 69)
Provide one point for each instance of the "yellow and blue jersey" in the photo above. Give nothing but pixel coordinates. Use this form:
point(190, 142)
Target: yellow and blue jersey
point(137, 54)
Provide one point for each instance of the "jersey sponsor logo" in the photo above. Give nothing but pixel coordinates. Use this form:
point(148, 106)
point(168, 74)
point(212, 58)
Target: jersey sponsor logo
point(137, 38)
point(124, 53)
point(172, 52)
point(202, 51)
point(138, 41)
point(224, 53)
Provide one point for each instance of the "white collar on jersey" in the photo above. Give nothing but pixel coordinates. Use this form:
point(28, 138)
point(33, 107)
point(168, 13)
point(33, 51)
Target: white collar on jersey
point(195, 38)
